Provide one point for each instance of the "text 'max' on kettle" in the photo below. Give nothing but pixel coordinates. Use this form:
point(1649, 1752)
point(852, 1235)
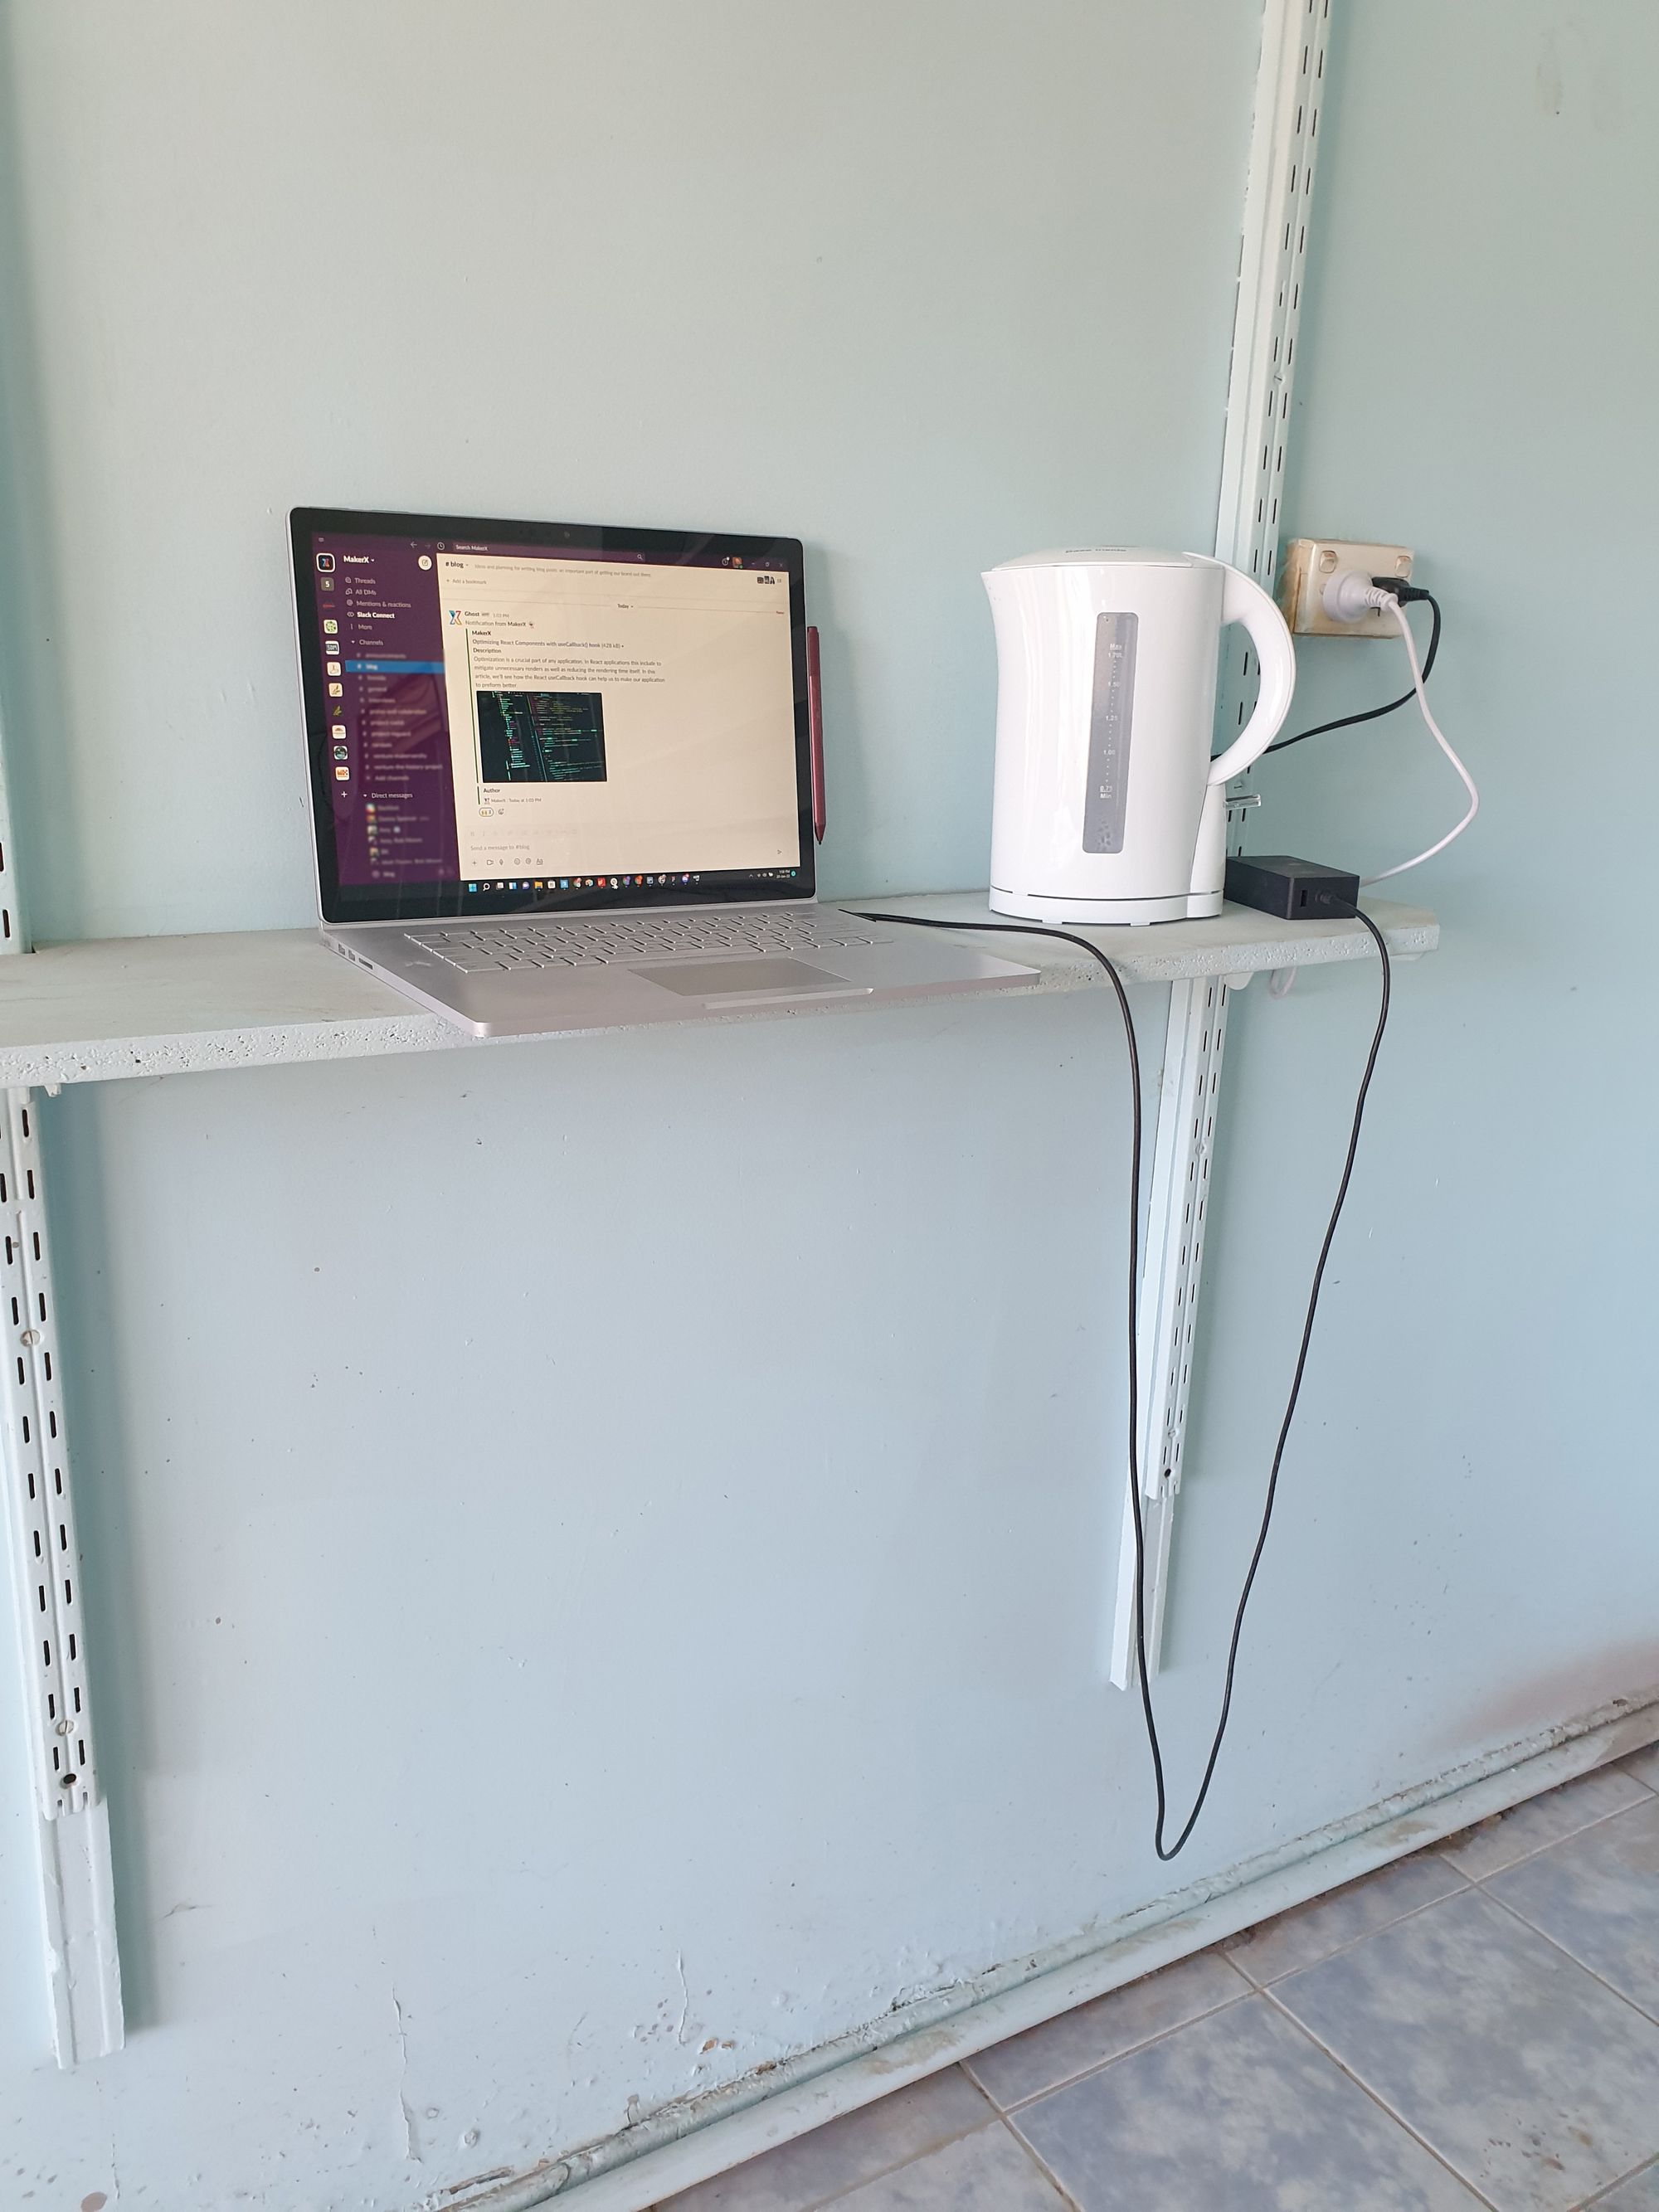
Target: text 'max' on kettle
point(1108, 807)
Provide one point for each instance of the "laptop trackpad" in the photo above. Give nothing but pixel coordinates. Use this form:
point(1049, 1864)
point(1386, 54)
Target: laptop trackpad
point(732, 982)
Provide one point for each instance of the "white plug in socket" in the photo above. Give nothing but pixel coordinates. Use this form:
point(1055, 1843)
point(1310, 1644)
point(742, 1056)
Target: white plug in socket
point(1309, 566)
point(1351, 595)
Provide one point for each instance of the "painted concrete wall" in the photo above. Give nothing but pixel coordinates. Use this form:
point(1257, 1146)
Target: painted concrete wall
point(1476, 1556)
point(914, 283)
point(575, 1582)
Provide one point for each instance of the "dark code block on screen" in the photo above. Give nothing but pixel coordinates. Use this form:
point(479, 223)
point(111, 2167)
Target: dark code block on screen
point(541, 737)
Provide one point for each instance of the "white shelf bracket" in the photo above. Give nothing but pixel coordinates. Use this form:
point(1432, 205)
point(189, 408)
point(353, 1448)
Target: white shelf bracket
point(1177, 1203)
point(1272, 251)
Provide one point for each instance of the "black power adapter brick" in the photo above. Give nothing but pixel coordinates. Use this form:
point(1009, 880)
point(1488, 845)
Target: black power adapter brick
point(1294, 890)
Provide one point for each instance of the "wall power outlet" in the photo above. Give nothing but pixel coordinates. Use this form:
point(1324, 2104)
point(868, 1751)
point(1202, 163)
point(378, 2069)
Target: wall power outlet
point(1308, 565)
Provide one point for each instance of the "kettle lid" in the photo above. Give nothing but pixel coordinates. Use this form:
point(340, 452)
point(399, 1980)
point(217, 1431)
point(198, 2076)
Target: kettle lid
point(1096, 556)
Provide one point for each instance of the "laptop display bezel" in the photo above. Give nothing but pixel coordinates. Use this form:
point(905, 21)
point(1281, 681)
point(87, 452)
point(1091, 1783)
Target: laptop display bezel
point(433, 901)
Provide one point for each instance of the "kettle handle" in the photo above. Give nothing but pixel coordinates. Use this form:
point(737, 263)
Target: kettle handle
point(1243, 601)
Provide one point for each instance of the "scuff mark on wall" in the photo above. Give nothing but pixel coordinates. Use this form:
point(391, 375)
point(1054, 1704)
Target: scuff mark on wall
point(473, 2181)
point(411, 2149)
point(1618, 1677)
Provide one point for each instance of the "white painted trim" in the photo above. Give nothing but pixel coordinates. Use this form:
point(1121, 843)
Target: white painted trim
point(678, 2148)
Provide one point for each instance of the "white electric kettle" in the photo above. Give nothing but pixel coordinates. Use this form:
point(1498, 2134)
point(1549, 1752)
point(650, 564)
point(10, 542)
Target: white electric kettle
point(1108, 805)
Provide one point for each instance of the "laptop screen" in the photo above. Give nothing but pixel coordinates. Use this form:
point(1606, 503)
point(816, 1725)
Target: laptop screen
point(508, 717)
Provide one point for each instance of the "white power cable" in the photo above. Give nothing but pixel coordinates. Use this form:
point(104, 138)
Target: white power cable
point(1440, 737)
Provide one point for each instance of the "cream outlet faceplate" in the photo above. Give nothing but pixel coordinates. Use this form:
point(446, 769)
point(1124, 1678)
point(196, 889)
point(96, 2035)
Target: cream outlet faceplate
point(1308, 565)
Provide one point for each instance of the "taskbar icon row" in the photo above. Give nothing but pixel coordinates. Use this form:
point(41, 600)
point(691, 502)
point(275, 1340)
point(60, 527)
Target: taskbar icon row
point(614, 882)
point(576, 883)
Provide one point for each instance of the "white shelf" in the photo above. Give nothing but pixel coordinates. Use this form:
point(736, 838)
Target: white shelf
point(175, 1006)
point(1238, 942)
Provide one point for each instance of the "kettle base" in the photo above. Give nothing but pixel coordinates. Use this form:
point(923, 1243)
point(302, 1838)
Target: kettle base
point(1107, 913)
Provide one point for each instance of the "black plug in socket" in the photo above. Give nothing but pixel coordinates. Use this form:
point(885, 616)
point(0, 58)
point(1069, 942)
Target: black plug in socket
point(1294, 890)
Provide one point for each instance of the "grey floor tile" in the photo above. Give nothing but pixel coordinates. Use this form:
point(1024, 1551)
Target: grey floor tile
point(1508, 1837)
point(1644, 1765)
point(845, 2152)
point(1597, 1896)
point(1639, 2194)
point(1237, 2113)
point(986, 2172)
point(1092, 2033)
point(1313, 1931)
point(1536, 2083)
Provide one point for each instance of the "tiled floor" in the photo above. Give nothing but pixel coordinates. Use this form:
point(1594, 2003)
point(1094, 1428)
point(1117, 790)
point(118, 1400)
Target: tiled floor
point(1477, 2026)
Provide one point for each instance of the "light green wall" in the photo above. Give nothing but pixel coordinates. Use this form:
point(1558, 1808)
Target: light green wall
point(925, 285)
point(1478, 365)
point(515, 1672)
point(573, 1582)
point(1478, 373)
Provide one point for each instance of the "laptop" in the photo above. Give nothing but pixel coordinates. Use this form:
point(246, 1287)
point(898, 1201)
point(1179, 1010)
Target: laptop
point(563, 775)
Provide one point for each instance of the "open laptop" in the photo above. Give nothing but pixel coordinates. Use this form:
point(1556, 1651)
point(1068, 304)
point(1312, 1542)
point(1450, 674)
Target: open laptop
point(563, 775)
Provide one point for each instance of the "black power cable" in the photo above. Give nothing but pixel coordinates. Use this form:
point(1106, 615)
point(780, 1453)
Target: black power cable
point(1406, 593)
point(1068, 937)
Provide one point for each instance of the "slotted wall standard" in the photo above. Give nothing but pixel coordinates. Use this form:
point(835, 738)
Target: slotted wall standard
point(1272, 251)
point(1177, 1203)
point(78, 1902)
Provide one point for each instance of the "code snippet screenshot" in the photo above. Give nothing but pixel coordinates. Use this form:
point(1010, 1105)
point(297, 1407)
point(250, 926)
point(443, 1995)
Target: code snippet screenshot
point(541, 737)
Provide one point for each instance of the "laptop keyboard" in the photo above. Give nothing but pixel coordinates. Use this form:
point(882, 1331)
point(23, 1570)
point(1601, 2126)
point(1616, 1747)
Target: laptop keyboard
point(601, 941)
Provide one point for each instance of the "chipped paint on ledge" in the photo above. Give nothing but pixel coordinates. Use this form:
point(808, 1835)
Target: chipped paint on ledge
point(629, 2170)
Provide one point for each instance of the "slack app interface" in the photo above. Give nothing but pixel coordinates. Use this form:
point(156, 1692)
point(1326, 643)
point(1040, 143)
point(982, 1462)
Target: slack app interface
point(500, 713)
